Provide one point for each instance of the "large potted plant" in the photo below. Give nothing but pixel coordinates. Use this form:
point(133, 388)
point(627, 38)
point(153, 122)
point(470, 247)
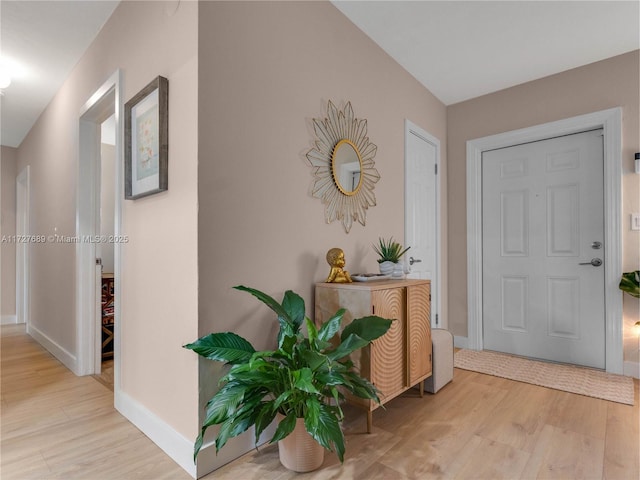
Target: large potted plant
point(301, 381)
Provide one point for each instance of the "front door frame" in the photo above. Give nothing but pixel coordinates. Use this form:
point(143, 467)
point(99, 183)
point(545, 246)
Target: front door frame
point(611, 122)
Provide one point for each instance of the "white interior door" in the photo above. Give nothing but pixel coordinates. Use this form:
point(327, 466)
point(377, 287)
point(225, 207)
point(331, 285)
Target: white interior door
point(543, 253)
point(421, 211)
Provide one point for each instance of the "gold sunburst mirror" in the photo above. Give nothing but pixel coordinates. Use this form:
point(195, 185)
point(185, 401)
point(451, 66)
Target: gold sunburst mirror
point(345, 173)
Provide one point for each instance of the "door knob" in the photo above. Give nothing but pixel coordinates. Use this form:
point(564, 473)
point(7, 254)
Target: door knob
point(414, 260)
point(596, 262)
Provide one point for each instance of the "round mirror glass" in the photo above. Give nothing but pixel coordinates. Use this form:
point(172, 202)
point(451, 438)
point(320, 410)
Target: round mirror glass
point(346, 166)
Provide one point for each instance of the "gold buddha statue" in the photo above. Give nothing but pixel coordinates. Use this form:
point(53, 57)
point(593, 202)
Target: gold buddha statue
point(335, 258)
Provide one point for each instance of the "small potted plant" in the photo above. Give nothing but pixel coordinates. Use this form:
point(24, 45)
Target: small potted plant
point(390, 253)
point(300, 383)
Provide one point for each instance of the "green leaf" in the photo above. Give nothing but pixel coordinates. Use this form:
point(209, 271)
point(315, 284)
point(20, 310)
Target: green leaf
point(285, 427)
point(223, 404)
point(282, 398)
point(198, 443)
point(332, 377)
point(367, 328)
point(233, 427)
point(361, 387)
point(254, 376)
point(313, 359)
point(287, 342)
point(264, 418)
point(322, 424)
point(293, 304)
point(350, 344)
point(268, 301)
point(331, 326)
point(223, 347)
point(240, 422)
point(303, 380)
point(630, 283)
point(312, 331)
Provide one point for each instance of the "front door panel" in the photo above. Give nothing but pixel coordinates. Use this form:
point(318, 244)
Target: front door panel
point(543, 210)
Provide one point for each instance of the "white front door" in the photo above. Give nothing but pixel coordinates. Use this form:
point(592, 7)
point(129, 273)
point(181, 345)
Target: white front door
point(543, 253)
point(421, 211)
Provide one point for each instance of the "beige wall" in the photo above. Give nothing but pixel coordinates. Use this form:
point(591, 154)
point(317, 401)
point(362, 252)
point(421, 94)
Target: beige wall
point(159, 263)
point(266, 69)
point(8, 173)
point(599, 86)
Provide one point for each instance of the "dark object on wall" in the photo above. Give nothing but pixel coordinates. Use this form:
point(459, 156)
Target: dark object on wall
point(146, 141)
point(107, 316)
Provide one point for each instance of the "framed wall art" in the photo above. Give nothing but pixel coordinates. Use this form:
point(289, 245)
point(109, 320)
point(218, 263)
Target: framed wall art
point(146, 137)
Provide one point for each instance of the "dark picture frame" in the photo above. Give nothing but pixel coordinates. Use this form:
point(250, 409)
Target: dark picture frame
point(146, 141)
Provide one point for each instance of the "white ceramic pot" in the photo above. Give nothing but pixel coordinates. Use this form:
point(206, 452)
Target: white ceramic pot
point(299, 451)
point(398, 270)
point(386, 268)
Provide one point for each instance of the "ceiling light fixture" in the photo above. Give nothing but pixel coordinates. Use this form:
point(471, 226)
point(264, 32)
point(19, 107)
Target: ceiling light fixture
point(10, 70)
point(5, 79)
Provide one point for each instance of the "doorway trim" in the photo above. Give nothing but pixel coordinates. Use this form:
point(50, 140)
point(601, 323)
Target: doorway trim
point(410, 128)
point(611, 122)
point(108, 98)
point(23, 258)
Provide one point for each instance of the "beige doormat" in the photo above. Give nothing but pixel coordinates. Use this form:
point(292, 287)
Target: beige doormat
point(568, 378)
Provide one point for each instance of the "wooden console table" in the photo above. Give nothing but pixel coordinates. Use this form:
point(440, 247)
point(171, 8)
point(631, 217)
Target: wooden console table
point(402, 357)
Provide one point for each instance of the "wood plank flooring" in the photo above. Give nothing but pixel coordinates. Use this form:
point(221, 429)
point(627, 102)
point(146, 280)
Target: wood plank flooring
point(55, 425)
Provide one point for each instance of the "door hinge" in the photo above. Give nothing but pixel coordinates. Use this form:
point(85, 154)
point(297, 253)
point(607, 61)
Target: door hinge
point(436, 168)
point(436, 319)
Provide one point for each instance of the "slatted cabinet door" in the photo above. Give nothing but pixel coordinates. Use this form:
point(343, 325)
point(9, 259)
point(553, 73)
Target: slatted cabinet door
point(419, 332)
point(388, 354)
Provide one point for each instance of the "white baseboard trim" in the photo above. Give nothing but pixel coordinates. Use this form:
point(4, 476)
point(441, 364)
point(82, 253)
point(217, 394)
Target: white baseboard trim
point(208, 461)
point(67, 358)
point(171, 442)
point(632, 369)
point(8, 319)
point(460, 342)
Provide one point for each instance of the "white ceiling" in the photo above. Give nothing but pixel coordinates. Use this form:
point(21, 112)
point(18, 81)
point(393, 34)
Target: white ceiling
point(43, 40)
point(463, 49)
point(457, 49)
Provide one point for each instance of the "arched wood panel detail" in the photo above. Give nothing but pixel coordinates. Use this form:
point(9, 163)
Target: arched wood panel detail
point(390, 355)
point(419, 332)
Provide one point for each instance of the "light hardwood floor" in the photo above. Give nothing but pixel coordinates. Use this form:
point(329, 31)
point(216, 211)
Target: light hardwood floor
point(55, 425)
